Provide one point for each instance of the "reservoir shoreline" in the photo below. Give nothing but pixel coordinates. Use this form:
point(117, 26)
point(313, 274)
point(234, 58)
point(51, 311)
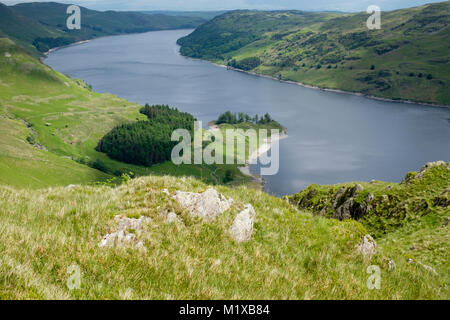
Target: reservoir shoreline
point(354, 93)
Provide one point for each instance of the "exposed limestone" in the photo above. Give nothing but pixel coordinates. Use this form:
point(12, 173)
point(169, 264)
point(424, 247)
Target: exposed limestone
point(429, 165)
point(242, 228)
point(358, 189)
point(368, 246)
point(370, 197)
point(391, 265)
point(126, 234)
point(173, 218)
point(207, 205)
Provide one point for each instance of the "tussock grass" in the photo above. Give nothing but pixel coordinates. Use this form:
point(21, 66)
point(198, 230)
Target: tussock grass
point(292, 255)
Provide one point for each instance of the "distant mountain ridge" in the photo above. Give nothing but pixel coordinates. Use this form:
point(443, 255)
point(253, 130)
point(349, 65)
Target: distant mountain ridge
point(41, 26)
point(207, 15)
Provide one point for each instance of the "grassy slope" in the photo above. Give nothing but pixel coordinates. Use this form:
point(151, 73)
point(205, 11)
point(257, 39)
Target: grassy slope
point(69, 120)
point(290, 256)
point(28, 21)
point(411, 214)
point(292, 44)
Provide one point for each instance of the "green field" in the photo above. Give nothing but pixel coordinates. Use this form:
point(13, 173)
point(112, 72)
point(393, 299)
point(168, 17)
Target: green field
point(406, 60)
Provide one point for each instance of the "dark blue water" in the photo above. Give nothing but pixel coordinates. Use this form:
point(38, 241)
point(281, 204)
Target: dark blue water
point(333, 137)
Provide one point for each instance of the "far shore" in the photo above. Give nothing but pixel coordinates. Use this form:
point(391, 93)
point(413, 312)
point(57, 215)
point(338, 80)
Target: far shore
point(273, 78)
point(323, 89)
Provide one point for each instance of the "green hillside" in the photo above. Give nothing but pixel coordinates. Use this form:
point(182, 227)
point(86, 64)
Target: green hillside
point(51, 125)
point(407, 59)
point(22, 29)
point(411, 216)
point(207, 15)
point(41, 26)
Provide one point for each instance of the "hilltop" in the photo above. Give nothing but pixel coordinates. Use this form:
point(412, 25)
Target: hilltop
point(406, 60)
point(140, 241)
point(39, 26)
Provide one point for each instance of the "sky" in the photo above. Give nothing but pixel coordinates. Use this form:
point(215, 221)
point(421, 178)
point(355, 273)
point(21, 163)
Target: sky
point(203, 5)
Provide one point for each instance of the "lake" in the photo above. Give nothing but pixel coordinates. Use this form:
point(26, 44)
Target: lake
point(333, 137)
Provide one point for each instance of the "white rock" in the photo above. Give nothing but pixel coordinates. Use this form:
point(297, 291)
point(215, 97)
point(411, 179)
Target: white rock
point(368, 246)
point(242, 228)
point(173, 218)
point(391, 265)
point(207, 205)
point(122, 236)
point(7, 54)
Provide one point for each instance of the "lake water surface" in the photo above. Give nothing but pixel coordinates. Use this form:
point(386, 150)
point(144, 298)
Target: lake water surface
point(333, 137)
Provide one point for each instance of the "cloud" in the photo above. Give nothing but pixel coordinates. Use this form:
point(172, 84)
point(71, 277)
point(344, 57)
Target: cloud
point(322, 5)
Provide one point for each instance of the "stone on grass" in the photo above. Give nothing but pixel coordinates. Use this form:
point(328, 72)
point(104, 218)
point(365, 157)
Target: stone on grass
point(242, 228)
point(368, 246)
point(207, 205)
point(126, 233)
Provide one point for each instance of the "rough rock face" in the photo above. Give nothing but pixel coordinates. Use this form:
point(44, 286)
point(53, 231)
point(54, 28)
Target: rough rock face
point(345, 207)
point(443, 200)
point(126, 234)
point(207, 205)
point(242, 228)
point(368, 246)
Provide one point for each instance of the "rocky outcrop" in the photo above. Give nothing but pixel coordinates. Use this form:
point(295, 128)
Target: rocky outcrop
point(126, 234)
point(338, 205)
point(207, 205)
point(242, 228)
point(443, 200)
point(430, 165)
point(368, 246)
point(345, 206)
